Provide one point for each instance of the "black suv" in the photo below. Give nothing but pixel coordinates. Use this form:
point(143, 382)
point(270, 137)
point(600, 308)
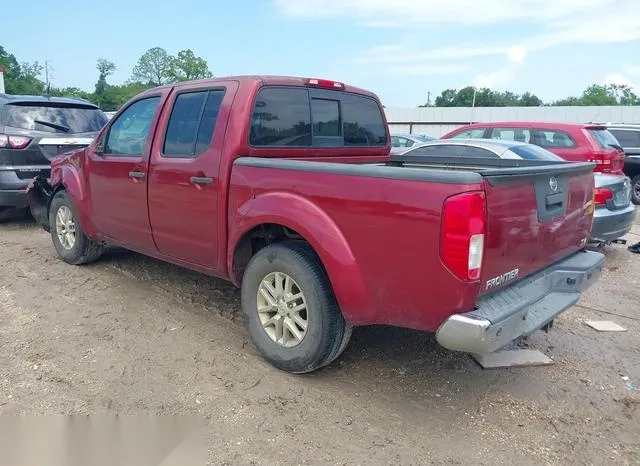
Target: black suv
point(33, 130)
point(629, 138)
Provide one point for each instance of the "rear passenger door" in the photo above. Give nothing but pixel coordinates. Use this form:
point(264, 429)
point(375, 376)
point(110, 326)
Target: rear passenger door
point(185, 201)
point(560, 143)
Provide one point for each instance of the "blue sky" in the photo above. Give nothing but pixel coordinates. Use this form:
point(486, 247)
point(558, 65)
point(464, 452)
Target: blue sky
point(400, 49)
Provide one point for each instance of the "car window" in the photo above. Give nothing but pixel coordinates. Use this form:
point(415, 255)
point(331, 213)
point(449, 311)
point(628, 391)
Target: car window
point(604, 138)
point(289, 117)
point(511, 134)
point(627, 137)
point(191, 124)
point(395, 141)
point(363, 121)
point(281, 117)
point(549, 138)
point(128, 133)
point(533, 152)
point(470, 133)
point(54, 118)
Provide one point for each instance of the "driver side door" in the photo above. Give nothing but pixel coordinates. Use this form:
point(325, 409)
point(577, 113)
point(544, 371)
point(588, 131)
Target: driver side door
point(118, 175)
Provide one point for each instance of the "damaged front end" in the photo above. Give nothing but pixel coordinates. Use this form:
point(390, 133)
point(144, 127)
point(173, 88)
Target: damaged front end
point(39, 194)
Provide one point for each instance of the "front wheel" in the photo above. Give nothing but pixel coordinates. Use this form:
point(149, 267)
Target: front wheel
point(635, 190)
point(290, 310)
point(70, 242)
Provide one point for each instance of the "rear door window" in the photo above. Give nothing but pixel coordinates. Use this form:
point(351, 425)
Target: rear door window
point(511, 134)
point(627, 137)
point(54, 118)
point(298, 117)
point(604, 138)
point(192, 122)
point(552, 139)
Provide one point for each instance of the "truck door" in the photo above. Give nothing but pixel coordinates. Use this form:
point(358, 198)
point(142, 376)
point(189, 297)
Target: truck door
point(118, 174)
point(185, 196)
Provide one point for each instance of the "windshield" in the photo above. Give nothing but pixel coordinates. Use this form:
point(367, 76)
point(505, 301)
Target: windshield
point(533, 152)
point(54, 119)
point(604, 138)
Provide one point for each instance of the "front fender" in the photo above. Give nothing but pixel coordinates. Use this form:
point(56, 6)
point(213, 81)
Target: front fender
point(65, 176)
point(321, 232)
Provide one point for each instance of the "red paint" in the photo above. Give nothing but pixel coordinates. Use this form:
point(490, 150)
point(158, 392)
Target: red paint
point(380, 240)
point(608, 160)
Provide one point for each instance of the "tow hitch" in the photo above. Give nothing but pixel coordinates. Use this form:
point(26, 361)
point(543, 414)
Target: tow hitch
point(39, 194)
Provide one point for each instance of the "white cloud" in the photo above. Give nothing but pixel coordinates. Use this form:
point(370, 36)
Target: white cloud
point(633, 70)
point(403, 13)
point(618, 78)
point(505, 75)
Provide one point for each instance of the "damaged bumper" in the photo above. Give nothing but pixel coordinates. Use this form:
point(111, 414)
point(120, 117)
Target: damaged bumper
point(39, 194)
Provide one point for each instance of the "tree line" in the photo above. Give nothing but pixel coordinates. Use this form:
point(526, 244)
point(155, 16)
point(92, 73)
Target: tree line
point(155, 67)
point(596, 95)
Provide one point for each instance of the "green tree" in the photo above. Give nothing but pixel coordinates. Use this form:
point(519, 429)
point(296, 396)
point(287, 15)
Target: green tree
point(105, 69)
point(485, 97)
point(155, 67)
point(603, 94)
point(186, 66)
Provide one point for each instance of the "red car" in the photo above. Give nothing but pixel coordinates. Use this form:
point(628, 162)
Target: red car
point(284, 186)
point(574, 142)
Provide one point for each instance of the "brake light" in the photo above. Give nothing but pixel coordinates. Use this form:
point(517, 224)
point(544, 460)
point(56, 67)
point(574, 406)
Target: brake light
point(14, 142)
point(323, 83)
point(462, 234)
point(602, 195)
point(607, 162)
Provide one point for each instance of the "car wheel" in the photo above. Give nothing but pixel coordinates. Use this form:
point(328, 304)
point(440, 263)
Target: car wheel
point(635, 189)
point(289, 308)
point(69, 240)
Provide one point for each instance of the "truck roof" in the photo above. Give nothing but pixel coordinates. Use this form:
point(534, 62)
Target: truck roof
point(273, 80)
point(38, 99)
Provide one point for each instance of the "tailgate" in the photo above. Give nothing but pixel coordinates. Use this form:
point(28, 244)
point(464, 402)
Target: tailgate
point(535, 216)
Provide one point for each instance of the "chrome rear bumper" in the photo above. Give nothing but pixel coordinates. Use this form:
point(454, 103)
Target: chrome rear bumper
point(522, 308)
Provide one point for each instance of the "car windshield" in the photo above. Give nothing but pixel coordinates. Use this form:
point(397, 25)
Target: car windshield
point(532, 152)
point(54, 118)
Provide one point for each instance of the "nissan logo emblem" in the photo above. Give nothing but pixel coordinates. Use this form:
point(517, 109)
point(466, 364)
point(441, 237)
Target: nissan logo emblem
point(553, 184)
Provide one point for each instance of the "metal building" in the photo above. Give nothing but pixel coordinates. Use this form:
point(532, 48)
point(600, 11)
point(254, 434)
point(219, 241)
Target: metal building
point(435, 121)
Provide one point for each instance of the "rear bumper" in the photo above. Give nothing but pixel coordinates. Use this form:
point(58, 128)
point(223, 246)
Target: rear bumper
point(612, 224)
point(38, 195)
point(522, 308)
point(13, 188)
point(13, 198)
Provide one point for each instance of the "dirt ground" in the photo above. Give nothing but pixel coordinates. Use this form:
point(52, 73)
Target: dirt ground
point(132, 335)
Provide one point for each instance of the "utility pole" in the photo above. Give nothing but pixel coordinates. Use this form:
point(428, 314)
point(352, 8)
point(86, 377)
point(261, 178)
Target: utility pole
point(428, 99)
point(47, 89)
point(473, 104)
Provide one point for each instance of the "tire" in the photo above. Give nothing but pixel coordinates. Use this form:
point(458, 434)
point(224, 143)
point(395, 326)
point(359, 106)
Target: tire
point(635, 189)
point(326, 334)
point(81, 250)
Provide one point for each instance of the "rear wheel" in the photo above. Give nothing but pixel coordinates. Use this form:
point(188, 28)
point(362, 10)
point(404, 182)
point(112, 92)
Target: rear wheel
point(290, 310)
point(70, 242)
point(635, 189)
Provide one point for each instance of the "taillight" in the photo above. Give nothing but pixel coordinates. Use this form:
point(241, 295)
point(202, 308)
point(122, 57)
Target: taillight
point(13, 142)
point(324, 83)
point(602, 195)
point(608, 162)
point(462, 234)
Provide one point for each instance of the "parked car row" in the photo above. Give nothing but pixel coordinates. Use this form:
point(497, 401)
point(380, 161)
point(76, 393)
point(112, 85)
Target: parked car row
point(616, 174)
point(284, 186)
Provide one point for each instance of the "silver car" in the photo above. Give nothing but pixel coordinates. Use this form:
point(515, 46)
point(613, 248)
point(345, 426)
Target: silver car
point(400, 142)
point(614, 213)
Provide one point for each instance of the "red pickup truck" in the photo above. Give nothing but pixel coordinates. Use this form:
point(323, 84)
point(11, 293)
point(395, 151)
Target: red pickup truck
point(284, 186)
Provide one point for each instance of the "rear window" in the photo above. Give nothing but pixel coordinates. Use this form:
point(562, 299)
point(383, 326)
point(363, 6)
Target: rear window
point(627, 137)
point(531, 152)
point(604, 138)
point(298, 117)
point(53, 118)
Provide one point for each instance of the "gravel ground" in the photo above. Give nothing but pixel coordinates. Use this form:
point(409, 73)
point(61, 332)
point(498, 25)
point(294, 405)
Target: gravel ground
point(132, 335)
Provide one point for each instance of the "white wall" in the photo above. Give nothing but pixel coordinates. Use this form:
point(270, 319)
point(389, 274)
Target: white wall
point(435, 121)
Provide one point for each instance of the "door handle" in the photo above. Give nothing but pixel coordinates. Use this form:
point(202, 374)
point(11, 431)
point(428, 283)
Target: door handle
point(201, 180)
point(136, 174)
